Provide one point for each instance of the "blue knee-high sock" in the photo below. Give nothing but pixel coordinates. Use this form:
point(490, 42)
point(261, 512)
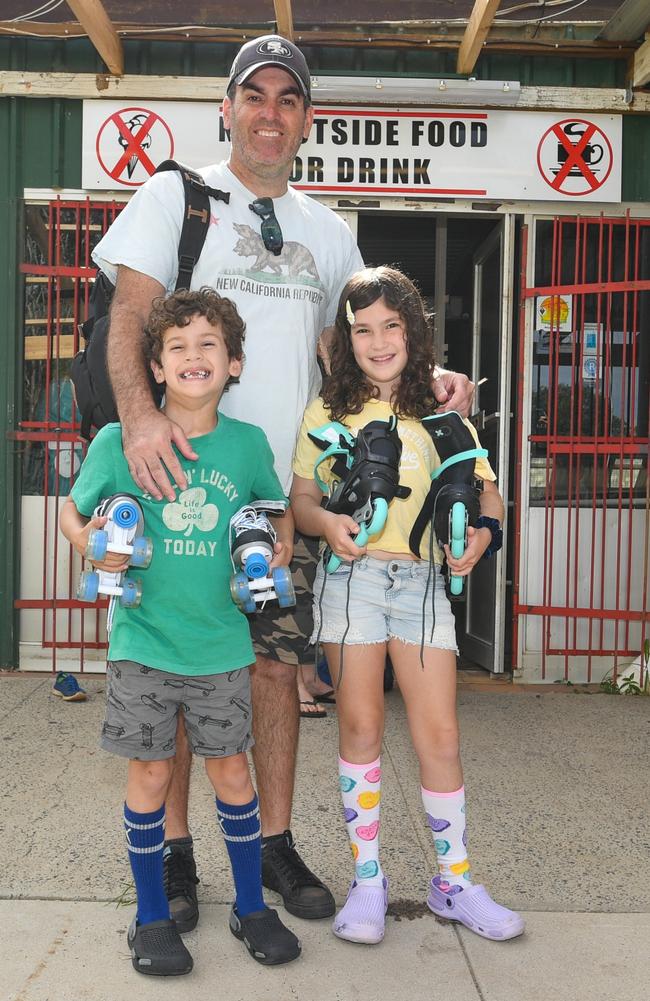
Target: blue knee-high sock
point(242, 833)
point(145, 834)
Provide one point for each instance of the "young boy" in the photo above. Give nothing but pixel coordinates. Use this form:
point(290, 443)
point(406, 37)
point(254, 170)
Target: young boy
point(187, 646)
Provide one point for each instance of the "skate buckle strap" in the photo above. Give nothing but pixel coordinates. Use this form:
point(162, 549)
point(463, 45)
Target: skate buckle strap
point(471, 453)
point(334, 439)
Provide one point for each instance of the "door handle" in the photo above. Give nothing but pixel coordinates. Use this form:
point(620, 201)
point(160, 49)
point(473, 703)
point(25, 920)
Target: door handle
point(481, 420)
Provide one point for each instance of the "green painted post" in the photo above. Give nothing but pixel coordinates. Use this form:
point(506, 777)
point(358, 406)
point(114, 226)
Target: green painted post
point(10, 374)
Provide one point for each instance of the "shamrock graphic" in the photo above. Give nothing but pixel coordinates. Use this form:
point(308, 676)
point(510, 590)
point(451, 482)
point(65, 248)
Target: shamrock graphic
point(190, 510)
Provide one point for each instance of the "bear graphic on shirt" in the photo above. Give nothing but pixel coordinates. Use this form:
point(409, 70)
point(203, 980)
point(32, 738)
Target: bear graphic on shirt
point(294, 259)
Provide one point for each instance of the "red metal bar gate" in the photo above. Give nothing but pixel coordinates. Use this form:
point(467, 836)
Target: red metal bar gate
point(59, 239)
point(588, 450)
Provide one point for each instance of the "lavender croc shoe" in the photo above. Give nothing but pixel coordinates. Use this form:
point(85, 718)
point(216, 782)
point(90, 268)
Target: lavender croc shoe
point(363, 915)
point(474, 908)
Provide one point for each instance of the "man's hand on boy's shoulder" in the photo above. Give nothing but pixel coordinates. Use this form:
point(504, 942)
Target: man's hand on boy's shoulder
point(147, 445)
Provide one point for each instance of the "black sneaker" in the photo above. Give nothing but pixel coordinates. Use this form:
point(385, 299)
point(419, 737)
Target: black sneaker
point(284, 871)
point(266, 938)
point(157, 949)
point(179, 873)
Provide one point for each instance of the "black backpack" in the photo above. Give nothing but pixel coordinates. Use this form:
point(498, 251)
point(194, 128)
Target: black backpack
point(89, 372)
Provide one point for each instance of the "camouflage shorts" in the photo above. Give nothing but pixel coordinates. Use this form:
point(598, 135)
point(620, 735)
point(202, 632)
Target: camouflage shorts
point(283, 633)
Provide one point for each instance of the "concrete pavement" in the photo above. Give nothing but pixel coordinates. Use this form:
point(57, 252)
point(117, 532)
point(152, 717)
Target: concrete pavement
point(557, 786)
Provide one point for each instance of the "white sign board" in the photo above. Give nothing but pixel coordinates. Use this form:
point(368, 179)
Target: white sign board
point(465, 154)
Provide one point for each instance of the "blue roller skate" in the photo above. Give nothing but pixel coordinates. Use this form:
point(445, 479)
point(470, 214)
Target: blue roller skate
point(367, 470)
point(452, 504)
point(122, 533)
point(252, 540)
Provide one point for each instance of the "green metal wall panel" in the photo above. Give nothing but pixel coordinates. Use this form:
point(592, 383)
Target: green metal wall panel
point(10, 374)
point(40, 148)
point(203, 59)
point(636, 157)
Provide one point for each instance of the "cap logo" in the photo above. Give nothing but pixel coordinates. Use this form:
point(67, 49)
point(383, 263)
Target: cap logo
point(274, 48)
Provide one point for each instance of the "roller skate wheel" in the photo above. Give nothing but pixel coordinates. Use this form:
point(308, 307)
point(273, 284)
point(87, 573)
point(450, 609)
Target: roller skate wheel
point(142, 552)
point(333, 563)
point(378, 520)
point(456, 585)
point(283, 584)
point(125, 514)
point(97, 545)
point(256, 567)
point(458, 529)
point(240, 592)
point(131, 595)
point(88, 586)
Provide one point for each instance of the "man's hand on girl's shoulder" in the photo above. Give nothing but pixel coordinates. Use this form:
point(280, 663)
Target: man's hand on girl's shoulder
point(453, 391)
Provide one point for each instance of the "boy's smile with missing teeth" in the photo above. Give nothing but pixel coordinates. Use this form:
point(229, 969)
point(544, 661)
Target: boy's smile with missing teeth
point(195, 355)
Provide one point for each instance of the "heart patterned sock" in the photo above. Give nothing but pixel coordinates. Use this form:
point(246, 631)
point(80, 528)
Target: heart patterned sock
point(445, 813)
point(361, 794)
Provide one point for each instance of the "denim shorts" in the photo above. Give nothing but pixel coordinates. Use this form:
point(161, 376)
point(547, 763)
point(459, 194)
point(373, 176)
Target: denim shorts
point(372, 601)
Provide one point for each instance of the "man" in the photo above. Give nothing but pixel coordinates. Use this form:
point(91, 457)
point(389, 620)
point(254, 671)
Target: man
point(283, 258)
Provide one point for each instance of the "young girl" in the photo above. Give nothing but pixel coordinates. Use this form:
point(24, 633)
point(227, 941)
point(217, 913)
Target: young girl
point(375, 603)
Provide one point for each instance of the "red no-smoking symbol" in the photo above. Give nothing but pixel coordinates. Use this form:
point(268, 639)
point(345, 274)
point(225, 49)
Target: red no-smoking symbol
point(575, 157)
point(131, 143)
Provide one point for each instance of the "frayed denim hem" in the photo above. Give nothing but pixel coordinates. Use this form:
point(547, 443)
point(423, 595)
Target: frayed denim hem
point(430, 645)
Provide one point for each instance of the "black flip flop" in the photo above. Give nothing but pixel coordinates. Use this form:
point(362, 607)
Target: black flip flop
point(305, 714)
point(328, 697)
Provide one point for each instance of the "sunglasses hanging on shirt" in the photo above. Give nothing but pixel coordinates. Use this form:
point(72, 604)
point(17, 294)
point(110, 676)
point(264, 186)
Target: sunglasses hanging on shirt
point(271, 232)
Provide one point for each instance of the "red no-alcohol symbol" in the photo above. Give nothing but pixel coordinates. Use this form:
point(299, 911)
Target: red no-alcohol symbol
point(131, 143)
point(575, 157)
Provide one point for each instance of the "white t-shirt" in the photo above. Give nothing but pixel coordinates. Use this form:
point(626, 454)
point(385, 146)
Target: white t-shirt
point(285, 301)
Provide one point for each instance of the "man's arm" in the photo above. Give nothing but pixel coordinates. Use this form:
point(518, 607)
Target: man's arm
point(147, 435)
point(324, 345)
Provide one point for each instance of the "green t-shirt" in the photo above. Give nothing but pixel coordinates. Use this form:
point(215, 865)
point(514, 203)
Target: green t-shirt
point(187, 622)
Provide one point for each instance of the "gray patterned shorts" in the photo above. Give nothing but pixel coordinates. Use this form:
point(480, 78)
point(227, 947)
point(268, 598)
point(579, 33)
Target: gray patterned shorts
point(142, 706)
point(283, 633)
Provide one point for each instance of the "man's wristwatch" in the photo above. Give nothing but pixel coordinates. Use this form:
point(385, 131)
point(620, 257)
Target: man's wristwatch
point(497, 534)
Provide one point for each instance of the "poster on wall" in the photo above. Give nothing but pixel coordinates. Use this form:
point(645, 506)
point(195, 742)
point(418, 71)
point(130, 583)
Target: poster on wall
point(513, 155)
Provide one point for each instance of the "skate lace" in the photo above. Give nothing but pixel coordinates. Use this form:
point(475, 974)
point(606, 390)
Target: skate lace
point(248, 518)
point(289, 866)
point(179, 875)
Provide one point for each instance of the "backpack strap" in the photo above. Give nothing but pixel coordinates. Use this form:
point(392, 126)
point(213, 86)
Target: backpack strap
point(196, 218)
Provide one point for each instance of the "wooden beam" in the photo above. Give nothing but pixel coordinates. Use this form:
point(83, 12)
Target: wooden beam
point(508, 38)
point(476, 31)
point(284, 18)
point(89, 86)
point(641, 65)
point(628, 23)
point(97, 24)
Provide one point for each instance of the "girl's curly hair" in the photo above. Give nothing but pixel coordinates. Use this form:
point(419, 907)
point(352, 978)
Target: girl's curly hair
point(347, 389)
point(179, 308)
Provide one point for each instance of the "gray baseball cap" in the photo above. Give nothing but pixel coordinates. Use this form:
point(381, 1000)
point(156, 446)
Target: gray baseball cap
point(270, 50)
